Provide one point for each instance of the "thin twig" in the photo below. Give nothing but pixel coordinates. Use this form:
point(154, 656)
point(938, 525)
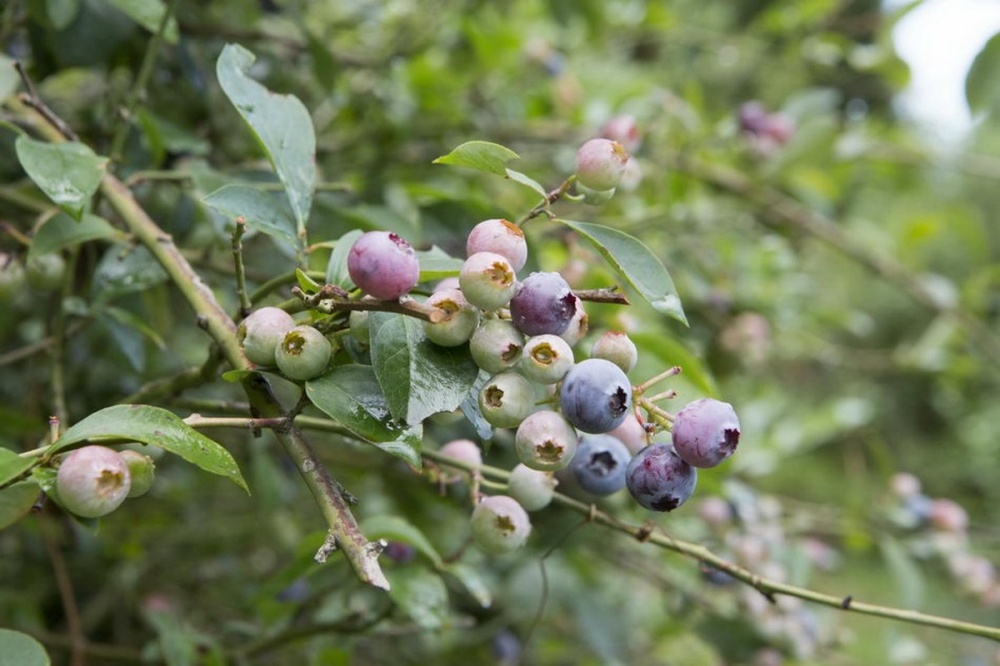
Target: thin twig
point(32, 99)
point(241, 278)
point(78, 641)
point(41, 345)
point(331, 299)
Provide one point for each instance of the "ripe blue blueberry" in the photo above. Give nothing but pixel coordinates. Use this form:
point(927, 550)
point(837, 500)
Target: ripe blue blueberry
point(543, 304)
point(600, 463)
point(596, 396)
point(659, 479)
point(706, 432)
point(382, 264)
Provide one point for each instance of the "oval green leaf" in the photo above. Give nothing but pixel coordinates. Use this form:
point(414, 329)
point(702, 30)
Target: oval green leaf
point(336, 267)
point(68, 173)
point(21, 649)
point(635, 262)
point(152, 425)
point(396, 528)
point(480, 155)
point(982, 83)
point(419, 378)
point(351, 396)
point(261, 211)
point(280, 123)
point(62, 231)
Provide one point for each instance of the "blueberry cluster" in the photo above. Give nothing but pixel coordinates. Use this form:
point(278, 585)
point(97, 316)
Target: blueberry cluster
point(578, 419)
point(270, 337)
point(93, 481)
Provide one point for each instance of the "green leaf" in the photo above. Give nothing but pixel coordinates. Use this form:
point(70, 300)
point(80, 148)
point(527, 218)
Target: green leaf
point(395, 528)
point(472, 581)
point(68, 173)
point(138, 324)
point(474, 415)
point(351, 395)
point(906, 573)
point(152, 425)
point(420, 594)
point(480, 155)
point(124, 269)
point(261, 211)
point(436, 264)
point(519, 177)
point(418, 377)
point(306, 283)
point(62, 231)
point(21, 649)
point(149, 14)
point(13, 466)
point(982, 83)
point(15, 500)
point(9, 80)
point(280, 123)
point(336, 267)
point(636, 263)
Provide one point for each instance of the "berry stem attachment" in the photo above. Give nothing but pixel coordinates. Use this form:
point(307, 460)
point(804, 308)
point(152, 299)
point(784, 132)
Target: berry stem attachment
point(550, 198)
point(331, 299)
point(643, 387)
point(666, 395)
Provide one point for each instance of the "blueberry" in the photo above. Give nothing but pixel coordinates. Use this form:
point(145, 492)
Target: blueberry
point(457, 327)
point(499, 524)
point(545, 441)
point(140, 470)
point(543, 304)
point(303, 353)
point(706, 432)
point(600, 164)
point(500, 237)
point(600, 463)
point(260, 333)
point(382, 264)
point(659, 479)
point(496, 345)
point(532, 488)
point(624, 130)
point(546, 359)
point(45, 272)
point(617, 347)
point(464, 450)
point(487, 280)
point(506, 400)
point(579, 325)
point(596, 396)
point(92, 481)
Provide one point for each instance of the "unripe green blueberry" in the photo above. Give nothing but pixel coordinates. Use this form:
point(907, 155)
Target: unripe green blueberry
point(546, 359)
point(487, 280)
point(458, 326)
point(464, 450)
point(261, 332)
point(595, 197)
point(506, 400)
point(499, 524)
point(358, 321)
point(501, 237)
point(600, 164)
point(531, 488)
point(496, 345)
point(92, 481)
point(545, 441)
point(141, 470)
point(12, 278)
point(303, 353)
point(45, 272)
point(615, 346)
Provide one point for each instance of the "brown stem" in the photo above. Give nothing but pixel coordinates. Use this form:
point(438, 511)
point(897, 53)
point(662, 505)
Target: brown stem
point(78, 641)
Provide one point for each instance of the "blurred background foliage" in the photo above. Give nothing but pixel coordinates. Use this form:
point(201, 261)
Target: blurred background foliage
point(841, 284)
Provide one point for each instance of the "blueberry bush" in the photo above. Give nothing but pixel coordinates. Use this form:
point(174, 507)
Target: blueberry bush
point(491, 332)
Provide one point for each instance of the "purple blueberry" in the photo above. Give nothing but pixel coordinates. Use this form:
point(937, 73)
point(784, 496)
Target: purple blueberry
point(659, 479)
point(500, 237)
point(600, 164)
point(382, 264)
point(596, 396)
point(543, 304)
point(706, 432)
point(600, 463)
